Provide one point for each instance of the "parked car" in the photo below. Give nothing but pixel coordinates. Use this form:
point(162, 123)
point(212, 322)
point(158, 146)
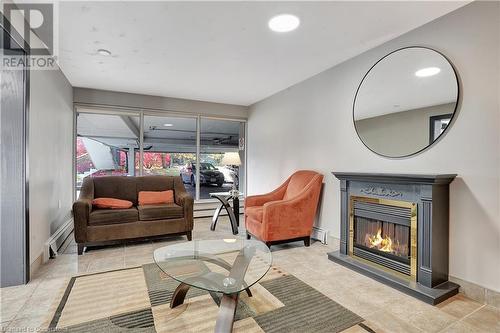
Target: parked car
point(208, 174)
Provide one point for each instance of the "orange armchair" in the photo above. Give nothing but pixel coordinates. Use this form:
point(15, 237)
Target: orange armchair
point(287, 213)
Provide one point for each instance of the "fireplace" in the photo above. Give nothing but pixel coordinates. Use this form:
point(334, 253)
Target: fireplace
point(394, 228)
point(384, 233)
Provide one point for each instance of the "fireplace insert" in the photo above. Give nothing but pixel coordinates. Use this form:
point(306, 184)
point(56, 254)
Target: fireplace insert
point(383, 232)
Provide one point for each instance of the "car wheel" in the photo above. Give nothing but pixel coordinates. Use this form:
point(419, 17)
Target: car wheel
point(192, 181)
point(220, 184)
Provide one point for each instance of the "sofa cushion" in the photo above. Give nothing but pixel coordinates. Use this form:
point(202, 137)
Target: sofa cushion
point(255, 228)
point(111, 203)
point(160, 212)
point(254, 213)
point(113, 216)
point(156, 197)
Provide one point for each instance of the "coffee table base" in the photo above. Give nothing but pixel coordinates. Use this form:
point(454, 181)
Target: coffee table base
point(227, 307)
point(179, 295)
point(227, 310)
point(229, 302)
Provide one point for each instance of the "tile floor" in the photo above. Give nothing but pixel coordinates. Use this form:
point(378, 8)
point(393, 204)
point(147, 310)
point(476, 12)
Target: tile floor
point(26, 308)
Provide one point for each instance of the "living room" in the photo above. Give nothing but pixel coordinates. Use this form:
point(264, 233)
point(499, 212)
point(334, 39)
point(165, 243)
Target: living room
point(250, 166)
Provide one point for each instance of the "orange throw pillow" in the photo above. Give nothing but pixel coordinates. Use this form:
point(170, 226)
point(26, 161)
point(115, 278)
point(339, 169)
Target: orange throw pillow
point(156, 197)
point(111, 203)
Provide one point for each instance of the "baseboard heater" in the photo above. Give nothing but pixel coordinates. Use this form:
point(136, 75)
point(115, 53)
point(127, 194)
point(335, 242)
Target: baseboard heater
point(320, 235)
point(207, 209)
point(57, 239)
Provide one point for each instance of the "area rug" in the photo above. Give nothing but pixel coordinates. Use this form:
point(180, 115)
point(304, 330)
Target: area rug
point(138, 300)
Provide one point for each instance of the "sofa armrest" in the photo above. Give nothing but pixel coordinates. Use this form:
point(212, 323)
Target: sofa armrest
point(82, 209)
point(81, 213)
point(184, 199)
point(187, 202)
point(260, 200)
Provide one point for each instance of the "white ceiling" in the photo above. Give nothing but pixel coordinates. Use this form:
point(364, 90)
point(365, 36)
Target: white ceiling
point(222, 51)
point(103, 125)
point(392, 86)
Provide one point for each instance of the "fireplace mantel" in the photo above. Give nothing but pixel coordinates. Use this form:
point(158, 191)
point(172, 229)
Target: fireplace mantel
point(429, 194)
point(396, 178)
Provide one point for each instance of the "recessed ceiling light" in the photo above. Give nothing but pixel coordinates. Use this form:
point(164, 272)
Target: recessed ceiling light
point(429, 71)
point(104, 52)
point(284, 23)
point(168, 125)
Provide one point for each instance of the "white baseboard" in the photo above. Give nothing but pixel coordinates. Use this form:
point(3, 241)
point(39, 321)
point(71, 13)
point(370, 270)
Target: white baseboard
point(36, 264)
point(478, 293)
point(57, 239)
point(334, 242)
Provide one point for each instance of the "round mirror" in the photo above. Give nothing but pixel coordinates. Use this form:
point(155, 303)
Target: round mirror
point(406, 101)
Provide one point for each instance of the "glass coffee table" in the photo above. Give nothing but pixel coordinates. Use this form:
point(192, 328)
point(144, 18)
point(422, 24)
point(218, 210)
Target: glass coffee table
point(227, 266)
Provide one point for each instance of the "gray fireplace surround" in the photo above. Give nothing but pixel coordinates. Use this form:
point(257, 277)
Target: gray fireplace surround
point(428, 195)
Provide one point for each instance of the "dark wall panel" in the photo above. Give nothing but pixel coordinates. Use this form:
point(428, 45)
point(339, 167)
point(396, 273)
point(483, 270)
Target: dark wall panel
point(13, 216)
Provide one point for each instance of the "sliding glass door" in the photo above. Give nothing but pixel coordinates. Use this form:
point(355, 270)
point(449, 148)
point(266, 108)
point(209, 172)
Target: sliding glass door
point(125, 143)
point(222, 157)
point(169, 147)
point(106, 145)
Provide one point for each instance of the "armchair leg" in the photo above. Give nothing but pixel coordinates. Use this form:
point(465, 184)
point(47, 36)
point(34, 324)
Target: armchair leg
point(307, 241)
point(248, 235)
point(80, 249)
point(189, 235)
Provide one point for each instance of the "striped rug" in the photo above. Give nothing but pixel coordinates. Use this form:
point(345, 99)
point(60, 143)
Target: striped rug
point(137, 300)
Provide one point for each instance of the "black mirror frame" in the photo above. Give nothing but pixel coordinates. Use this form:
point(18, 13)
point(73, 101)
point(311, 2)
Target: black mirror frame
point(455, 110)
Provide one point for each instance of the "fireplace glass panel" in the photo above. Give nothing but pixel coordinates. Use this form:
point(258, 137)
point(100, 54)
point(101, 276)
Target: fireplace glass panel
point(387, 239)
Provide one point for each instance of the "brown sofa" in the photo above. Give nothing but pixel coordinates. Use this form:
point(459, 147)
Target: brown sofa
point(104, 226)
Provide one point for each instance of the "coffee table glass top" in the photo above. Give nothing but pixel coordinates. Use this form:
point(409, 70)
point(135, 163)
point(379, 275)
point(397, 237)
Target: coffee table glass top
point(223, 265)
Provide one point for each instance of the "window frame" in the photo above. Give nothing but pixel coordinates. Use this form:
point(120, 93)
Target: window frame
point(141, 113)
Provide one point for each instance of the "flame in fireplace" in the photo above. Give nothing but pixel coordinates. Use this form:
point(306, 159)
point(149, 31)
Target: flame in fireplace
point(381, 244)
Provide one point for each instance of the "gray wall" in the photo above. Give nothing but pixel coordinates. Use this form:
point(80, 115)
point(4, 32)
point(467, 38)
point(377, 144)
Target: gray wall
point(400, 133)
point(112, 98)
point(50, 156)
point(309, 126)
